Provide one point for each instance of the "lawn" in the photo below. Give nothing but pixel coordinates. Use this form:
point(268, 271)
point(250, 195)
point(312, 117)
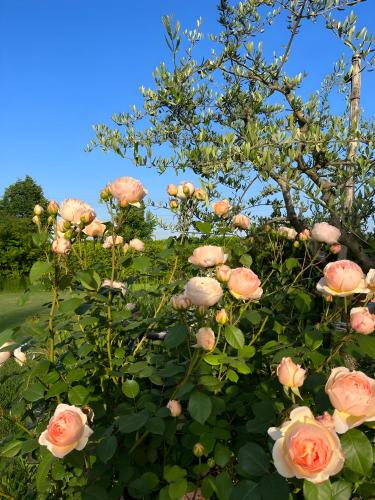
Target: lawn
point(17, 307)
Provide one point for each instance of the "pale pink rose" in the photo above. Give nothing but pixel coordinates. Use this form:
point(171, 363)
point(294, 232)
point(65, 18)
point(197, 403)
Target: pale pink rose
point(127, 191)
point(342, 278)
point(200, 194)
point(172, 189)
point(203, 291)
point(61, 246)
point(38, 210)
point(362, 321)
point(208, 256)
point(304, 235)
point(130, 306)
point(5, 355)
point(52, 207)
point(221, 208)
point(290, 374)
point(352, 394)
point(335, 248)
point(370, 280)
point(67, 431)
point(287, 232)
point(114, 285)
point(241, 221)
point(76, 211)
point(223, 273)
point(222, 317)
point(205, 339)
point(137, 245)
point(19, 356)
point(113, 240)
point(60, 227)
point(306, 449)
point(180, 302)
point(185, 190)
point(174, 407)
point(326, 419)
point(325, 233)
point(96, 229)
point(244, 284)
point(193, 495)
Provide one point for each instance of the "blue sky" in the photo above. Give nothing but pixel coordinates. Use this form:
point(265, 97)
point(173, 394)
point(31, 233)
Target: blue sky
point(67, 64)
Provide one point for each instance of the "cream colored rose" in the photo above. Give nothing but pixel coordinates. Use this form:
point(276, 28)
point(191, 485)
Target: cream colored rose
point(305, 448)
point(113, 240)
point(205, 339)
point(342, 278)
point(352, 394)
point(76, 211)
point(38, 210)
point(287, 232)
point(241, 221)
point(96, 229)
point(244, 284)
point(19, 356)
point(221, 208)
point(185, 190)
point(180, 302)
point(61, 246)
point(370, 280)
point(290, 374)
point(325, 233)
point(137, 245)
point(5, 355)
point(208, 256)
point(127, 191)
point(67, 431)
point(174, 407)
point(223, 273)
point(203, 291)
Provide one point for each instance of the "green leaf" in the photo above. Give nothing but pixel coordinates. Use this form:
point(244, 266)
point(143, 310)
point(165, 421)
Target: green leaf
point(274, 486)
point(78, 395)
point(321, 491)
point(254, 317)
point(358, 451)
point(133, 422)
point(107, 448)
point(246, 260)
point(70, 305)
point(341, 490)
point(253, 460)
point(89, 279)
point(203, 227)
point(130, 388)
point(5, 335)
point(291, 263)
point(200, 406)
point(367, 345)
point(156, 425)
point(143, 485)
point(39, 269)
point(246, 490)
point(141, 263)
point(176, 336)
point(42, 482)
point(313, 339)
point(57, 389)
point(174, 473)
point(222, 455)
point(11, 449)
point(234, 337)
point(34, 392)
point(178, 489)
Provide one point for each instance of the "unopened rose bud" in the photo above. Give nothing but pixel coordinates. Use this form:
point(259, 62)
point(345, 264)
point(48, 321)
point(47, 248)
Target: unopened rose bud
point(52, 207)
point(51, 220)
point(290, 374)
point(38, 210)
point(200, 194)
point(180, 302)
point(304, 235)
point(221, 317)
point(205, 339)
point(335, 248)
point(173, 204)
point(211, 462)
point(67, 225)
point(174, 407)
point(126, 247)
point(105, 194)
point(35, 219)
point(198, 449)
point(223, 273)
point(172, 189)
point(68, 235)
point(296, 244)
point(328, 298)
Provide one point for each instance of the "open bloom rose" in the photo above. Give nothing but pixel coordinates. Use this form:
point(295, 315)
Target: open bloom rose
point(244, 284)
point(290, 374)
point(352, 394)
point(305, 448)
point(180, 302)
point(127, 191)
point(114, 285)
point(76, 211)
point(342, 278)
point(288, 232)
point(19, 356)
point(207, 256)
point(113, 240)
point(221, 208)
point(185, 190)
point(61, 246)
point(172, 189)
point(203, 291)
point(137, 245)
point(223, 273)
point(95, 229)
point(304, 235)
point(5, 355)
point(205, 339)
point(362, 321)
point(241, 221)
point(67, 430)
point(325, 233)
point(370, 280)
point(174, 407)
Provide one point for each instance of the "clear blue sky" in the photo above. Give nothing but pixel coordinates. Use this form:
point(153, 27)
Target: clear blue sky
point(67, 64)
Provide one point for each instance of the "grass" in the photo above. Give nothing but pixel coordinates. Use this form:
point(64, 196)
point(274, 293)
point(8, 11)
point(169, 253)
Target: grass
point(17, 307)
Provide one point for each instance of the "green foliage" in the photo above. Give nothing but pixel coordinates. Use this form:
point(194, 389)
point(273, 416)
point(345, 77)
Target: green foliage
point(20, 198)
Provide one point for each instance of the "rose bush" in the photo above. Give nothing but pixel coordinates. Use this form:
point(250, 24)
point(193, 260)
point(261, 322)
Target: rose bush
point(157, 375)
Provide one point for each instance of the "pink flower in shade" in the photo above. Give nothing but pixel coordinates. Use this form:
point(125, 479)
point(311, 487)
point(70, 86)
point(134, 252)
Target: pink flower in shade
point(352, 394)
point(370, 280)
point(76, 211)
point(304, 235)
point(362, 321)
point(241, 221)
point(205, 339)
point(61, 246)
point(127, 191)
point(203, 291)
point(244, 284)
point(223, 273)
point(325, 233)
point(113, 240)
point(96, 229)
point(180, 302)
point(208, 256)
point(174, 407)
point(290, 374)
point(342, 278)
point(67, 431)
point(335, 248)
point(305, 448)
point(221, 208)
point(137, 245)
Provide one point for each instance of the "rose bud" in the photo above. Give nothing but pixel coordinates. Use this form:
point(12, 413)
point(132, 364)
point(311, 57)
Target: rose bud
point(180, 302)
point(304, 235)
point(67, 431)
point(223, 273)
point(38, 210)
point(241, 221)
point(193, 495)
point(61, 246)
point(105, 194)
point(290, 374)
point(174, 407)
point(328, 298)
point(36, 219)
point(173, 204)
point(296, 244)
point(126, 247)
point(198, 449)
point(362, 321)
point(221, 317)
point(335, 248)
point(325, 233)
point(137, 245)
point(52, 207)
point(205, 339)
point(172, 189)
point(200, 194)
point(288, 232)
point(221, 208)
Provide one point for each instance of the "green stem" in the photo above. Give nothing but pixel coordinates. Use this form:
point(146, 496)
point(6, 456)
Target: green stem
point(55, 301)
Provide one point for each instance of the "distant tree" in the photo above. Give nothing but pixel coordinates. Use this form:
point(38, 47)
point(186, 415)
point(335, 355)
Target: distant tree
point(20, 198)
point(137, 223)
